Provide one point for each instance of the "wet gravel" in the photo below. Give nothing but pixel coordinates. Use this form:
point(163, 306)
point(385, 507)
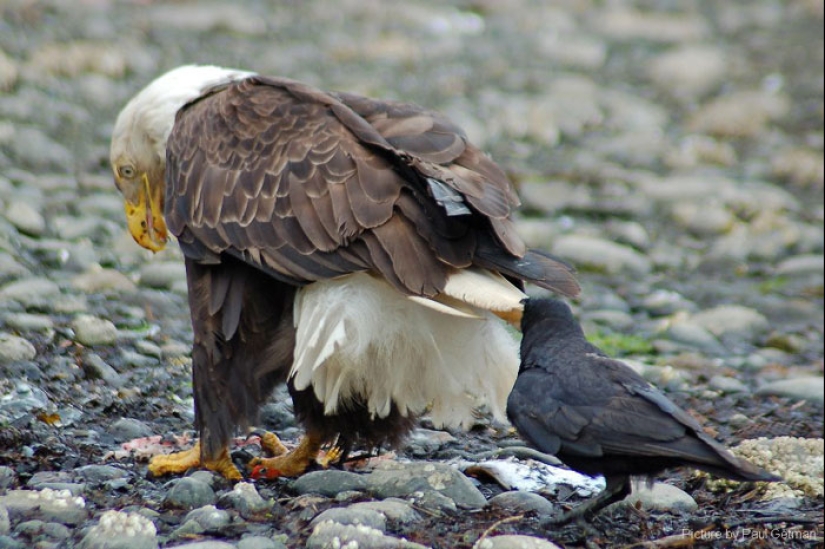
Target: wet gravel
point(672, 151)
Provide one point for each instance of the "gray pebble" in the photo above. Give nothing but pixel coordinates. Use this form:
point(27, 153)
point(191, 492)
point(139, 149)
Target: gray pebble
point(605, 300)
point(736, 320)
point(616, 320)
point(30, 292)
point(695, 150)
point(629, 232)
point(328, 483)
point(331, 534)
point(189, 493)
point(689, 71)
point(801, 265)
point(5, 525)
point(514, 541)
point(34, 148)
point(8, 72)
point(209, 517)
point(7, 542)
point(97, 368)
point(803, 274)
point(348, 496)
point(148, 348)
point(32, 371)
point(73, 228)
point(90, 330)
point(127, 428)
point(162, 275)
point(575, 103)
point(69, 304)
point(41, 478)
point(14, 349)
point(245, 498)
point(7, 477)
point(800, 388)
point(551, 196)
point(433, 502)
point(666, 302)
point(352, 516)
point(103, 280)
point(210, 544)
point(696, 336)
point(423, 442)
point(25, 322)
point(207, 477)
point(704, 218)
point(10, 268)
point(136, 359)
point(727, 384)
point(395, 479)
point(739, 420)
point(629, 24)
point(260, 542)
point(765, 356)
point(397, 510)
point(99, 474)
point(522, 502)
point(176, 349)
point(277, 415)
point(803, 166)
point(660, 497)
point(739, 114)
point(588, 252)
point(33, 528)
point(187, 530)
point(26, 218)
point(238, 19)
point(25, 399)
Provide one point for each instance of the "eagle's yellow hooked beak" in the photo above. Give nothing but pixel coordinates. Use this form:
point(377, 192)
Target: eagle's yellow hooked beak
point(145, 218)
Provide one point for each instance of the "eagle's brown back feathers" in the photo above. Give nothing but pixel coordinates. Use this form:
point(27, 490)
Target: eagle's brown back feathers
point(308, 185)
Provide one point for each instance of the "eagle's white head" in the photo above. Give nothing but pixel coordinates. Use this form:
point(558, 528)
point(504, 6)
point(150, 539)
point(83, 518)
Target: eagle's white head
point(138, 148)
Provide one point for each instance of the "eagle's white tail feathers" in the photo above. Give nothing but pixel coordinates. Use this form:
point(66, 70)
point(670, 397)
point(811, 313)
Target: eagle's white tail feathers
point(357, 337)
point(485, 290)
point(437, 304)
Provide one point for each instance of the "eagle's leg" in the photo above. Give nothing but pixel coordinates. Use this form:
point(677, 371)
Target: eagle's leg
point(291, 464)
point(180, 462)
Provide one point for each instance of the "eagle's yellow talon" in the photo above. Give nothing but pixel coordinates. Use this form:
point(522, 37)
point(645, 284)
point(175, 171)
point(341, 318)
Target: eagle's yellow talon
point(331, 457)
point(272, 445)
point(291, 464)
point(176, 463)
point(180, 462)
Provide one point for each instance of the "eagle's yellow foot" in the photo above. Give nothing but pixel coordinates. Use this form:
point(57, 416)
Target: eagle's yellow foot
point(289, 464)
point(180, 462)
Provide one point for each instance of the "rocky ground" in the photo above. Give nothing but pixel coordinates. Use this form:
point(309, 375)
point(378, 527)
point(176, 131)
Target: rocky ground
point(672, 151)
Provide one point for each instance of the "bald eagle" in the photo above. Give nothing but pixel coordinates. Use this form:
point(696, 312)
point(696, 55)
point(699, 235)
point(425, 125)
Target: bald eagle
point(360, 250)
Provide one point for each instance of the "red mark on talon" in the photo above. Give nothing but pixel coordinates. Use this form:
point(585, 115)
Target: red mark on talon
point(259, 472)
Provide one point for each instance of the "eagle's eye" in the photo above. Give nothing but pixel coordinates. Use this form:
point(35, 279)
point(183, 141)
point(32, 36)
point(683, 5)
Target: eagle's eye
point(126, 171)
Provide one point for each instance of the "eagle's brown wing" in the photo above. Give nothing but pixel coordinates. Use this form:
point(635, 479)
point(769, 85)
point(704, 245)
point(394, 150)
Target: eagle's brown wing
point(308, 185)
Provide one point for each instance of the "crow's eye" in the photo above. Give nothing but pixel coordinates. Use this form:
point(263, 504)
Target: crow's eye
point(126, 171)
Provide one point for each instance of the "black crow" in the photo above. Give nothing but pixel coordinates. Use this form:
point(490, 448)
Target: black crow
point(599, 416)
